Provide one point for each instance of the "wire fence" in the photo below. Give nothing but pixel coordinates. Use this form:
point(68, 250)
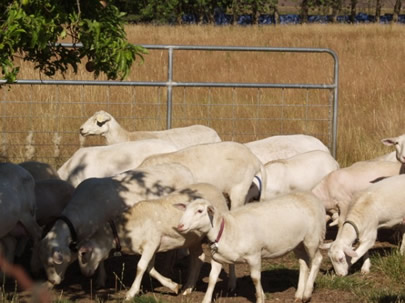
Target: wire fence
point(40, 119)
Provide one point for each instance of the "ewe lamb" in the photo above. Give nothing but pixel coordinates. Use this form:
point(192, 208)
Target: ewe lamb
point(147, 228)
point(105, 161)
point(382, 205)
point(97, 200)
point(337, 189)
point(281, 147)
point(17, 208)
point(230, 166)
point(40, 170)
point(104, 124)
point(300, 172)
point(399, 153)
point(267, 229)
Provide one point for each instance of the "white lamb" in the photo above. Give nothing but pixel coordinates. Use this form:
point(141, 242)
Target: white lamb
point(40, 170)
point(97, 200)
point(399, 144)
point(337, 189)
point(17, 207)
point(300, 172)
point(267, 229)
point(104, 124)
point(105, 161)
point(147, 228)
point(230, 166)
point(285, 146)
point(382, 205)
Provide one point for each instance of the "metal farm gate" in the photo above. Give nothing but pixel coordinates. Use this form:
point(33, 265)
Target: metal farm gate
point(40, 119)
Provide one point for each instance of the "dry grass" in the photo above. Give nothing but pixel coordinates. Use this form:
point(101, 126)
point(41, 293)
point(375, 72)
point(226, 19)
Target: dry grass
point(371, 90)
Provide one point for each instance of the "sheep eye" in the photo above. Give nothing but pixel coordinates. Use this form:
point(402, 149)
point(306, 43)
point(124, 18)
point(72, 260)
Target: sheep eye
point(100, 123)
point(199, 211)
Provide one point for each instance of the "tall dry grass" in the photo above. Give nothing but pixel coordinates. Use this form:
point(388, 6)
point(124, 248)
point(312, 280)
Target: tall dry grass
point(371, 87)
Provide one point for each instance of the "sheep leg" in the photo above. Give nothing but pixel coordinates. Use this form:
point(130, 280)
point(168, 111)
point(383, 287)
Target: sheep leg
point(238, 194)
point(402, 247)
point(197, 258)
point(315, 265)
point(365, 268)
point(214, 274)
point(143, 265)
point(232, 278)
point(101, 275)
point(364, 246)
point(255, 264)
point(303, 260)
point(173, 286)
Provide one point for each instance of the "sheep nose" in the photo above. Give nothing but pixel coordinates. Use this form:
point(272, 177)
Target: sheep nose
point(180, 227)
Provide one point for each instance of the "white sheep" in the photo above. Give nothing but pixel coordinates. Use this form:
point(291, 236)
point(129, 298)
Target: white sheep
point(104, 124)
point(17, 206)
point(97, 200)
point(399, 144)
point(300, 172)
point(337, 189)
point(147, 228)
point(379, 206)
point(267, 229)
point(104, 161)
point(284, 146)
point(40, 170)
point(230, 166)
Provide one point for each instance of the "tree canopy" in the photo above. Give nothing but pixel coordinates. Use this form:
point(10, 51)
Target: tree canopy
point(33, 30)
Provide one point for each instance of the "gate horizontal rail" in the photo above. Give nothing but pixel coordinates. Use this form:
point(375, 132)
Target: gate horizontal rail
point(170, 83)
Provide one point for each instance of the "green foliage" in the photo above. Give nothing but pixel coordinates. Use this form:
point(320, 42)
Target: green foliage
point(32, 30)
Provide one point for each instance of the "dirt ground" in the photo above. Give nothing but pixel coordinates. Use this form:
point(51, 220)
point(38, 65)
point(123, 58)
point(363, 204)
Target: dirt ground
point(279, 280)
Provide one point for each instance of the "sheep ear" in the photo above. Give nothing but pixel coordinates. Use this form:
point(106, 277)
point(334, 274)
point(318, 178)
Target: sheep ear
point(350, 252)
point(180, 206)
point(210, 211)
point(102, 117)
point(388, 141)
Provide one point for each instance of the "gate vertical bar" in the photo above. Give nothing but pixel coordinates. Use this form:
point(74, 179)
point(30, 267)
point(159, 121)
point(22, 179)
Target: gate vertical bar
point(169, 89)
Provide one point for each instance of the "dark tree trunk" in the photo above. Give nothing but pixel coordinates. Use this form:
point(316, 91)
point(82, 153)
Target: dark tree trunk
point(353, 4)
point(304, 11)
point(378, 6)
point(276, 15)
point(397, 10)
point(336, 8)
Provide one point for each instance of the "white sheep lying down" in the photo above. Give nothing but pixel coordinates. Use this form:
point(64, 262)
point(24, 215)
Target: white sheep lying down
point(382, 205)
point(300, 172)
point(17, 207)
point(267, 229)
point(147, 228)
point(97, 200)
point(230, 166)
point(284, 146)
point(337, 189)
point(105, 161)
point(104, 124)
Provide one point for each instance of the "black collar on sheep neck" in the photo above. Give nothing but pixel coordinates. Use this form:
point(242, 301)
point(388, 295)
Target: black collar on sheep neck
point(355, 229)
point(73, 244)
point(117, 250)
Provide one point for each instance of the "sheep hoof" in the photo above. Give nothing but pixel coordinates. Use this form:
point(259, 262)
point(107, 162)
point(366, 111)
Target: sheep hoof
point(187, 291)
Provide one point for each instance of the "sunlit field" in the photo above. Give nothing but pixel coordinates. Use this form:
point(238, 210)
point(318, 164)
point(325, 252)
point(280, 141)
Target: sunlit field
point(371, 90)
